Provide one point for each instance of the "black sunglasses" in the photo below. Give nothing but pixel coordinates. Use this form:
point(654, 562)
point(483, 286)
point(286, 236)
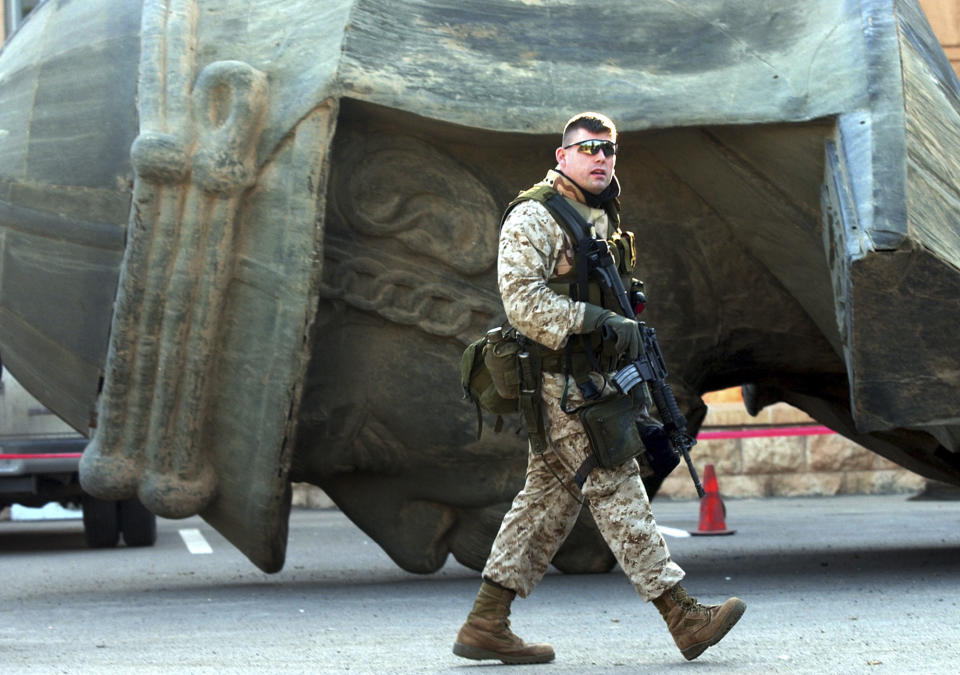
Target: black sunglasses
point(592, 146)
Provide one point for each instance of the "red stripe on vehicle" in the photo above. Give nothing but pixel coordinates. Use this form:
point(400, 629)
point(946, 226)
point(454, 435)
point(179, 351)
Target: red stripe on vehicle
point(46, 455)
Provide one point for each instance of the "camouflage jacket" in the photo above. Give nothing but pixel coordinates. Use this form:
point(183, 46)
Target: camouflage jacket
point(533, 250)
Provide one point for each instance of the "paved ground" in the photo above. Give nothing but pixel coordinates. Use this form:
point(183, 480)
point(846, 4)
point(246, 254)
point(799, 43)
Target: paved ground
point(833, 585)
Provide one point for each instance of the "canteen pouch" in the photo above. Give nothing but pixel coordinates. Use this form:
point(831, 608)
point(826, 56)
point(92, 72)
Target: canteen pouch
point(478, 387)
point(612, 429)
point(500, 356)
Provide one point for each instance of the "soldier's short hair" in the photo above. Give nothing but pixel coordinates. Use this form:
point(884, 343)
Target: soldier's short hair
point(591, 121)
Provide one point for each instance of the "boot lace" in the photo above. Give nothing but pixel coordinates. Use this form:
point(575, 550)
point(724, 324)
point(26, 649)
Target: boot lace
point(688, 604)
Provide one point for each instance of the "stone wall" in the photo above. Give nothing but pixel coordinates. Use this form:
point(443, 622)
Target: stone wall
point(785, 466)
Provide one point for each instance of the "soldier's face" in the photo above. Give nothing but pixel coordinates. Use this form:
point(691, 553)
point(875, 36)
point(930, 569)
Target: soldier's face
point(592, 172)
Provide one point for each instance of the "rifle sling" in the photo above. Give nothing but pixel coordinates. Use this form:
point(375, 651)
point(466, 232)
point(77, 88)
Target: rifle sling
point(581, 231)
point(589, 464)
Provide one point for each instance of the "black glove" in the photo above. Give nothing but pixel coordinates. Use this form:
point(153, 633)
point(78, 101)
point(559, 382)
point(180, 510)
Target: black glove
point(613, 326)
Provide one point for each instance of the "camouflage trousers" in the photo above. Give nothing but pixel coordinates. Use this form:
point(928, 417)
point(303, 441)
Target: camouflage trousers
point(544, 511)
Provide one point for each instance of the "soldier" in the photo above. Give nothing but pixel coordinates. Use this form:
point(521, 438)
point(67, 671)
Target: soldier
point(539, 285)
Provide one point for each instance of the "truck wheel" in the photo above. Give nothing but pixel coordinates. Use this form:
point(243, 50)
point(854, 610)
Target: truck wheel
point(101, 523)
point(137, 523)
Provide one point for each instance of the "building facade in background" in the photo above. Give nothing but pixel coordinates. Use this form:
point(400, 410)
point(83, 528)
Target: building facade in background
point(944, 16)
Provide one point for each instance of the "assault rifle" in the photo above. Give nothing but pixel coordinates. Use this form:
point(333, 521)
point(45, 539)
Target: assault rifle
point(649, 366)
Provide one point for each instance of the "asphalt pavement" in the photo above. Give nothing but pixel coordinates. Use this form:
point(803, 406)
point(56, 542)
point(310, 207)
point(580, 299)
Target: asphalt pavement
point(833, 585)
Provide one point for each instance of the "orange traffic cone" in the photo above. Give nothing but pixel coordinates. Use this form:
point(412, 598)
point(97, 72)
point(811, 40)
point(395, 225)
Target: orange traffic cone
point(712, 510)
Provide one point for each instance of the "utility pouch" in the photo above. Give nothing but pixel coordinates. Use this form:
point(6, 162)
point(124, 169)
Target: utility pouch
point(612, 429)
point(478, 386)
point(500, 356)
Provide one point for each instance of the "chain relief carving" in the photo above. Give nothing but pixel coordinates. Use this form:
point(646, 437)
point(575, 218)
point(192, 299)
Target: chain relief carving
point(404, 190)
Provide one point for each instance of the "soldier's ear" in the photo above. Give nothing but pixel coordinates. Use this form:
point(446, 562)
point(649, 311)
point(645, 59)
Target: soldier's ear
point(561, 157)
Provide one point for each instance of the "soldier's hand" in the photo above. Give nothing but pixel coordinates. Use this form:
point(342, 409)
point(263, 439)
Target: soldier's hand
point(627, 334)
point(625, 331)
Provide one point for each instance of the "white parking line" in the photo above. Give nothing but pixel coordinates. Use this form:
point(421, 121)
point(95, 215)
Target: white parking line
point(195, 542)
point(673, 532)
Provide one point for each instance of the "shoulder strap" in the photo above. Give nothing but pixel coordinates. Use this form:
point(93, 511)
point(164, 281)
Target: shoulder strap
point(575, 227)
point(538, 193)
point(577, 224)
point(563, 213)
point(568, 216)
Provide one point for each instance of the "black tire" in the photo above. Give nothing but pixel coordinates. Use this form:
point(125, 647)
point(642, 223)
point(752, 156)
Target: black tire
point(138, 525)
point(101, 522)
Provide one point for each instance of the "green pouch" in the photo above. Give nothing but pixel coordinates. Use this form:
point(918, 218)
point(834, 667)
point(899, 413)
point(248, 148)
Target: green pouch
point(500, 356)
point(478, 386)
point(612, 429)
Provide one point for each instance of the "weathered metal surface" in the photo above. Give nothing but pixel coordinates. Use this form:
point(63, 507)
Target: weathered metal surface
point(247, 241)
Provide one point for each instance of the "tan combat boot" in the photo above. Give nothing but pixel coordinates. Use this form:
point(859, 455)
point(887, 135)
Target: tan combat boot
point(487, 635)
point(694, 626)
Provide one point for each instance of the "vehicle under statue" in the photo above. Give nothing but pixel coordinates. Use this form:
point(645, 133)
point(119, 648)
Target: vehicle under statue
point(244, 243)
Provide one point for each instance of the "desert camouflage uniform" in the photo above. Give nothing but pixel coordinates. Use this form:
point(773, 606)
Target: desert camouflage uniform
point(534, 249)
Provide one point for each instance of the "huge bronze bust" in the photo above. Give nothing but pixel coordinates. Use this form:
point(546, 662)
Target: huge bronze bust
point(245, 242)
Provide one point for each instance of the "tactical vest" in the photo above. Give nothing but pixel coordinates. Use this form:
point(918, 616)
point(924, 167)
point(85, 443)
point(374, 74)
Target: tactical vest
point(584, 353)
